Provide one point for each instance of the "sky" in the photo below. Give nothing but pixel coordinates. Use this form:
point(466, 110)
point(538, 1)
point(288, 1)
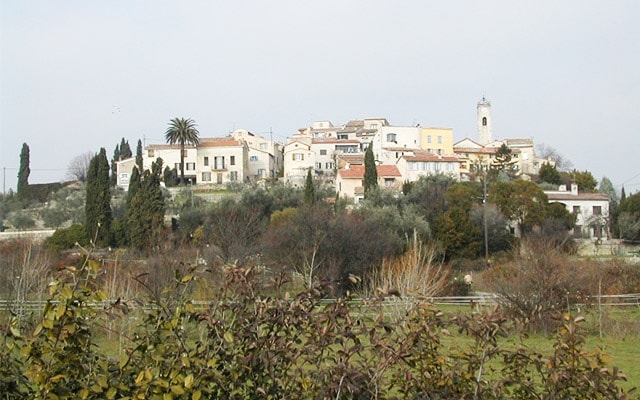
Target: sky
point(76, 76)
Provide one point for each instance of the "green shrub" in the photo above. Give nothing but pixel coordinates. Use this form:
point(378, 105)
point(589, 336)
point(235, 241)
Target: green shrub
point(246, 345)
point(63, 239)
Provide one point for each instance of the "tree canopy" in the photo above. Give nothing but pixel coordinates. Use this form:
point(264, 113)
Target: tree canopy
point(182, 131)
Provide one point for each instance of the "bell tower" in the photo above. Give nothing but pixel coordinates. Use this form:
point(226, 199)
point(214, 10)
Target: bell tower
point(485, 132)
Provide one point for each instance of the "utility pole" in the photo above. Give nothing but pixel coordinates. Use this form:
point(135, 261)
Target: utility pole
point(484, 217)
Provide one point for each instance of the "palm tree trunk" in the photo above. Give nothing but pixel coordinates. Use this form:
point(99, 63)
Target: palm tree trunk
point(181, 163)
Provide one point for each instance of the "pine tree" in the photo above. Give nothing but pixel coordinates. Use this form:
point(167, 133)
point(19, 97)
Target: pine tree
point(504, 161)
point(370, 172)
point(548, 173)
point(98, 215)
point(23, 173)
point(309, 190)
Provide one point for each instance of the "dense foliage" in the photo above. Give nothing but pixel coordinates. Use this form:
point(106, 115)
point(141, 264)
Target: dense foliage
point(258, 341)
point(98, 215)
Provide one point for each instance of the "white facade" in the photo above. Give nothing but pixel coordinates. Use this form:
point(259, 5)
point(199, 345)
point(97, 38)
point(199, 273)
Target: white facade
point(265, 155)
point(242, 157)
point(298, 159)
point(591, 209)
point(221, 161)
point(485, 123)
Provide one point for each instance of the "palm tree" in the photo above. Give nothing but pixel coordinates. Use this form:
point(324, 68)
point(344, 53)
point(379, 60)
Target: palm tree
point(182, 131)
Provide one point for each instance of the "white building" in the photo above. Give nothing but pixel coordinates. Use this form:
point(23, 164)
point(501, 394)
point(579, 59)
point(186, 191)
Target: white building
point(241, 157)
point(591, 209)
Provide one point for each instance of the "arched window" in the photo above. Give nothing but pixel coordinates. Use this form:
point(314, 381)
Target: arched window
point(484, 121)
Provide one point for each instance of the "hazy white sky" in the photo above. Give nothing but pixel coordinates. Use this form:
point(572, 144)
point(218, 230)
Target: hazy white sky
point(79, 75)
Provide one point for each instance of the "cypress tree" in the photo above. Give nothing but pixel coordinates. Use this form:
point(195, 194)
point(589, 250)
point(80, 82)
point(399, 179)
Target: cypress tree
point(125, 150)
point(309, 190)
point(98, 215)
point(370, 172)
point(145, 212)
point(139, 160)
point(114, 167)
point(23, 173)
point(135, 183)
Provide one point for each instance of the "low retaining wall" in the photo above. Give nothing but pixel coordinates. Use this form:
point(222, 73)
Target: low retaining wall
point(36, 236)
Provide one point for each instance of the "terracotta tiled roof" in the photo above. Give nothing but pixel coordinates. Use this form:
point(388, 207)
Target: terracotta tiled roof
point(219, 142)
point(387, 170)
point(353, 172)
point(357, 171)
point(580, 196)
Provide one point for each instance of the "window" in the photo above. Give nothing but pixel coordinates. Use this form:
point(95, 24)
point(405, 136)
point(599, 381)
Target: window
point(177, 166)
point(373, 126)
point(262, 172)
point(233, 176)
point(263, 146)
point(391, 137)
point(439, 139)
point(323, 152)
point(484, 121)
point(298, 157)
point(329, 165)
point(191, 166)
point(218, 162)
point(206, 161)
point(388, 182)
point(150, 153)
point(232, 160)
point(576, 209)
point(124, 175)
point(597, 210)
point(206, 177)
point(318, 165)
point(253, 158)
point(343, 136)
point(429, 139)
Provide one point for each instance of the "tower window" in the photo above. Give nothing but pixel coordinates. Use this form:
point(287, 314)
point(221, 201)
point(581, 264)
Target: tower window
point(484, 121)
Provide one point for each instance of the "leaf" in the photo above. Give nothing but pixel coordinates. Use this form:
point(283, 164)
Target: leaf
point(177, 389)
point(139, 378)
point(111, 393)
point(66, 292)
point(94, 266)
point(188, 381)
point(186, 278)
point(228, 337)
point(60, 310)
point(46, 323)
point(196, 395)
point(15, 331)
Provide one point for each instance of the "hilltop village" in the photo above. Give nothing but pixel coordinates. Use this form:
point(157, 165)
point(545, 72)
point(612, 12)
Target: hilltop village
point(334, 153)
